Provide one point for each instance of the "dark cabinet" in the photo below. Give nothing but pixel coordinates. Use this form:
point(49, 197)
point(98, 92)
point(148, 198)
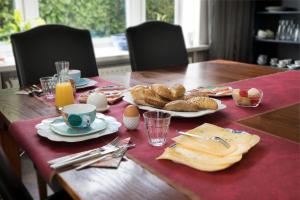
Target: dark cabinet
point(267, 16)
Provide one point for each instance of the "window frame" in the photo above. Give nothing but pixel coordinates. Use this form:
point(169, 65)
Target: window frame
point(136, 13)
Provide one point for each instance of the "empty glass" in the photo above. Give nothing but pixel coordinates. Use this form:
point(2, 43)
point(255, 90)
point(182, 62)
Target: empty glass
point(48, 85)
point(157, 126)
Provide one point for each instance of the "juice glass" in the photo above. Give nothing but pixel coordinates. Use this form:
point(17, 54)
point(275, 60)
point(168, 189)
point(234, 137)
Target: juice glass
point(64, 94)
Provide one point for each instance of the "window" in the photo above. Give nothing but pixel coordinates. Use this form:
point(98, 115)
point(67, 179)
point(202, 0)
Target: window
point(6, 19)
point(101, 17)
point(104, 17)
point(161, 10)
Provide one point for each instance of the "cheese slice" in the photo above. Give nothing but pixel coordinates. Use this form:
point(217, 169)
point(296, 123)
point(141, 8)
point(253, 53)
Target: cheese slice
point(205, 145)
point(207, 154)
point(202, 163)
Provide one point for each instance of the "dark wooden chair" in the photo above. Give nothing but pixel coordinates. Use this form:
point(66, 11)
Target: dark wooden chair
point(11, 187)
point(36, 50)
point(156, 44)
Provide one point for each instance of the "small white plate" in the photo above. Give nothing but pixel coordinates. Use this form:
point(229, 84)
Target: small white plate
point(89, 84)
point(128, 98)
point(61, 128)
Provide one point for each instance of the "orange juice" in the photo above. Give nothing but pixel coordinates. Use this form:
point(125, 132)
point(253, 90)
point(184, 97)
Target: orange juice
point(63, 94)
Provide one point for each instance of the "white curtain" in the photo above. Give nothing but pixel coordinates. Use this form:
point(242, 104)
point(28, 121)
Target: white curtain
point(192, 16)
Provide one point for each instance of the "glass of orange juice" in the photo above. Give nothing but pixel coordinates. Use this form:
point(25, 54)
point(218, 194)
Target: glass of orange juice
point(64, 94)
point(64, 90)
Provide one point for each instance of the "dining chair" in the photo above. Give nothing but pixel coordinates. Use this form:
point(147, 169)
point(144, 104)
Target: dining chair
point(37, 49)
point(12, 188)
point(156, 44)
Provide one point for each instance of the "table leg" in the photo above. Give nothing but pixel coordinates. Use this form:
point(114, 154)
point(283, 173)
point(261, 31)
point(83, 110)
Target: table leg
point(42, 186)
point(11, 149)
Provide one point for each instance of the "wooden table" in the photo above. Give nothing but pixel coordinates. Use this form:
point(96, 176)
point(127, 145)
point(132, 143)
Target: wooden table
point(131, 180)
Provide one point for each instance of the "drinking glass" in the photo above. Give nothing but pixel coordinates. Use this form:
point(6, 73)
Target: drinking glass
point(62, 67)
point(157, 126)
point(48, 86)
point(64, 89)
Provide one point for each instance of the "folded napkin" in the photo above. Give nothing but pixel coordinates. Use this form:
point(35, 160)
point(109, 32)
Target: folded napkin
point(207, 154)
point(110, 162)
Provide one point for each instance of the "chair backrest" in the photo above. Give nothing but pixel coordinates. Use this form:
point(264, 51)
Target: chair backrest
point(11, 187)
point(156, 44)
point(36, 50)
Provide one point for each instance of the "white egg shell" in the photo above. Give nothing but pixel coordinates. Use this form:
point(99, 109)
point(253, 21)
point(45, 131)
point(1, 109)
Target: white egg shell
point(131, 123)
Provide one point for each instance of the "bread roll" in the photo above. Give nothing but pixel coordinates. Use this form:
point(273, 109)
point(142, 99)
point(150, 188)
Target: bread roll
point(155, 101)
point(195, 94)
point(139, 93)
point(177, 91)
point(162, 90)
point(204, 103)
point(181, 105)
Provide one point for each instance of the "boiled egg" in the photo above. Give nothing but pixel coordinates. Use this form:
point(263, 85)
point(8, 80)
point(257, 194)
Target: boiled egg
point(131, 111)
point(131, 117)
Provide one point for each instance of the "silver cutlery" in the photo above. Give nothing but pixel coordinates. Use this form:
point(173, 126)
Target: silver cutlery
point(87, 157)
point(120, 152)
point(37, 88)
point(37, 92)
point(216, 138)
point(29, 92)
point(109, 146)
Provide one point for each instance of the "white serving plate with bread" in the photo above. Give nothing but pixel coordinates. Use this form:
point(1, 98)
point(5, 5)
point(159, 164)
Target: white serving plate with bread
point(128, 98)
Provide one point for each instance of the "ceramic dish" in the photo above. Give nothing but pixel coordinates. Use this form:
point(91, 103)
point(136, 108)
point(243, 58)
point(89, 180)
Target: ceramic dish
point(293, 66)
point(44, 130)
point(128, 98)
point(83, 81)
point(103, 110)
point(275, 8)
point(60, 127)
point(90, 83)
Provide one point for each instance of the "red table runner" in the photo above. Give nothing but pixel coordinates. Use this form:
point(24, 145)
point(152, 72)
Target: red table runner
point(279, 90)
point(269, 170)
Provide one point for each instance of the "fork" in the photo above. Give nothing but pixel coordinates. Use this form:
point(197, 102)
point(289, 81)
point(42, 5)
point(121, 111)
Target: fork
point(216, 138)
point(120, 152)
point(111, 145)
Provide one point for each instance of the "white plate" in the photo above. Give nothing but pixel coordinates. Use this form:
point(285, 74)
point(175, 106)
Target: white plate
point(89, 84)
point(44, 130)
point(127, 97)
point(61, 128)
point(293, 66)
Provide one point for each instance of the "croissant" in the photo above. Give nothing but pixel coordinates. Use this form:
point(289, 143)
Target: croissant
point(139, 93)
point(177, 91)
point(162, 91)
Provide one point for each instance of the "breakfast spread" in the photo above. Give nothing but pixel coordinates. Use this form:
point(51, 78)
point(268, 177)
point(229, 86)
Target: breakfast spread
point(202, 151)
point(171, 98)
